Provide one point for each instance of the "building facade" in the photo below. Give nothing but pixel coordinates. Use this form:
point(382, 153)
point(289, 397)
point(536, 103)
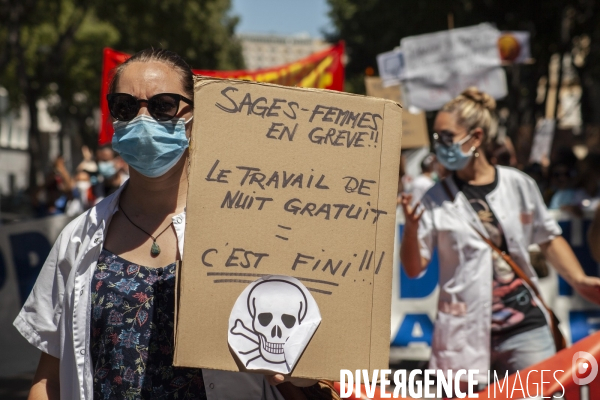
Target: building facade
point(14, 143)
point(264, 50)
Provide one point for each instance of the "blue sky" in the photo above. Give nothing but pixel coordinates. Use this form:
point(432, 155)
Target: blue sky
point(284, 17)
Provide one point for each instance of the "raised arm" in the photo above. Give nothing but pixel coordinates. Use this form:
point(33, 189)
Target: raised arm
point(410, 254)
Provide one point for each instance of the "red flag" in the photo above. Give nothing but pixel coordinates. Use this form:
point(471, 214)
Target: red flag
point(323, 70)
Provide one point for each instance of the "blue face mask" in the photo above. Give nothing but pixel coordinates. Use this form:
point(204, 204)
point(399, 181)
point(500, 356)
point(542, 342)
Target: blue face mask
point(106, 168)
point(151, 147)
point(452, 157)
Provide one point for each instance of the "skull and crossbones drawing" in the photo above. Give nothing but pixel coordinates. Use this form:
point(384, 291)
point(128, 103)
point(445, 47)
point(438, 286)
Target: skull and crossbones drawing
point(277, 308)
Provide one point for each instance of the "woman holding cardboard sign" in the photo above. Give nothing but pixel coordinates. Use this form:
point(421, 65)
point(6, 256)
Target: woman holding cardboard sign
point(482, 219)
point(102, 308)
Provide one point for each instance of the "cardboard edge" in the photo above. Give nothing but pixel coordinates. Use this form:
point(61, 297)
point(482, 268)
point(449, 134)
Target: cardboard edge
point(178, 276)
point(200, 80)
point(381, 316)
point(176, 313)
point(382, 150)
point(368, 78)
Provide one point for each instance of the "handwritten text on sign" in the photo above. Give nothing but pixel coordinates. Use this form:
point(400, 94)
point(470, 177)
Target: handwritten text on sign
point(261, 189)
point(294, 182)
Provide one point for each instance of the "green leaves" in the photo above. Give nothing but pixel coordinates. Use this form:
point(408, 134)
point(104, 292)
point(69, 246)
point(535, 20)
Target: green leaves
point(199, 30)
point(54, 47)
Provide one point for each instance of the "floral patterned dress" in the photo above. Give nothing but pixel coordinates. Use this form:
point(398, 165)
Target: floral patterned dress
point(132, 334)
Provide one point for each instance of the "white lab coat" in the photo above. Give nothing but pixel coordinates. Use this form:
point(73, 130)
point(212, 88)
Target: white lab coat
point(461, 338)
point(56, 315)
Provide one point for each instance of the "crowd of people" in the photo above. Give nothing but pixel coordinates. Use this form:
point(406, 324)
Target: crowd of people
point(479, 215)
point(73, 192)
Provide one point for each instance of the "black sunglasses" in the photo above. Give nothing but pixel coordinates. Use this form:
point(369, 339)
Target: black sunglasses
point(446, 138)
point(162, 106)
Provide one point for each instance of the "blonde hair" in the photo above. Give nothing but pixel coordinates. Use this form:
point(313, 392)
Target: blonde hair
point(475, 109)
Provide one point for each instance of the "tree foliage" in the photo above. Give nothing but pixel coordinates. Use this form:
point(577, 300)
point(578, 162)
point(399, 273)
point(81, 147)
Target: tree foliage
point(370, 27)
point(53, 49)
point(201, 30)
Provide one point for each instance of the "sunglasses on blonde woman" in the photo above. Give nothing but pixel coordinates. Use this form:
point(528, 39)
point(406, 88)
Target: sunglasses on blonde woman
point(162, 106)
point(446, 138)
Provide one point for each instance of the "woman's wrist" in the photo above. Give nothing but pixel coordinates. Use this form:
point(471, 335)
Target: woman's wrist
point(411, 229)
point(578, 278)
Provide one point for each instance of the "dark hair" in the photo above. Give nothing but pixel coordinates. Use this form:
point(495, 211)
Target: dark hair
point(498, 153)
point(105, 146)
point(563, 156)
point(167, 57)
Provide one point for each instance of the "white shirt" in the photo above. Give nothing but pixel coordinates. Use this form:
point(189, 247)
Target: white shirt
point(461, 338)
point(56, 316)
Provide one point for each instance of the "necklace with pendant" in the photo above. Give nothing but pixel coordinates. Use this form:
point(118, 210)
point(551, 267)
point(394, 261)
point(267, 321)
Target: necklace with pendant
point(155, 249)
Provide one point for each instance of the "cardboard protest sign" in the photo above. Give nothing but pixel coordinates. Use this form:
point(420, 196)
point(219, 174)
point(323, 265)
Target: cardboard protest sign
point(414, 125)
point(439, 66)
point(391, 67)
point(294, 182)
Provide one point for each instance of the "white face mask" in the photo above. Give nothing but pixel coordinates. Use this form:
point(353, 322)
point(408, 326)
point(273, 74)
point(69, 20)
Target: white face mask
point(83, 187)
